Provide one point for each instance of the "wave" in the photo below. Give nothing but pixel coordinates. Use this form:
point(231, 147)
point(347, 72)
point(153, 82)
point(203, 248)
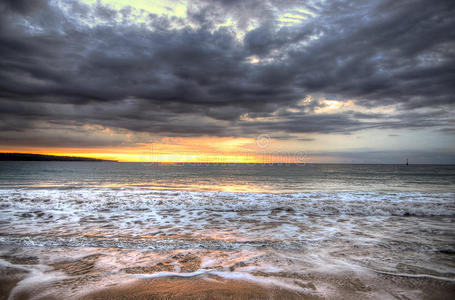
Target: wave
point(140, 243)
point(312, 203)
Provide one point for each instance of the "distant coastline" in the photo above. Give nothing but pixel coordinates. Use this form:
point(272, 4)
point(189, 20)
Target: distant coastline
point(43, 157)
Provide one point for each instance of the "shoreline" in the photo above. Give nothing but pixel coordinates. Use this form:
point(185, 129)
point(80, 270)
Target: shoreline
point(180, 275)
point(207, 287)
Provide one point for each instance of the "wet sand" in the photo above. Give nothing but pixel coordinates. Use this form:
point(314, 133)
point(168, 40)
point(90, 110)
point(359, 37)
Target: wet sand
point(83, 281)
point(9, 277)
point(80, 277)
point(195, 288)
point(214, 287)
point(173, 287)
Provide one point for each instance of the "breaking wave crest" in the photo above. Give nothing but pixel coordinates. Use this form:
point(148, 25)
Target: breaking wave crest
point(314, 204)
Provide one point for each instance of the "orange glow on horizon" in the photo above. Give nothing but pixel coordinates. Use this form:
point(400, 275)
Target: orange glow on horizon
point(179, 150)
point(177, 157)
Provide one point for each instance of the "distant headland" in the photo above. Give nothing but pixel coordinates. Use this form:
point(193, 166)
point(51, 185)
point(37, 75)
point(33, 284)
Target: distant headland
point(42, 157)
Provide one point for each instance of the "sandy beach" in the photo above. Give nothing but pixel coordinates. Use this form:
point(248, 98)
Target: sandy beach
point(170, 288)
point(79, 274)
point(205, 287)
point(181, 276)
point(195, 288)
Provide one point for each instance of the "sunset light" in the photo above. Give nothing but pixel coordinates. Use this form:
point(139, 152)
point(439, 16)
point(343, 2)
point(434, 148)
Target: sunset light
point(227, 149)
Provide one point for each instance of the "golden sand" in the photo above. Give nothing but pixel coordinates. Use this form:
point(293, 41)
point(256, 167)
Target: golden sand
point(195, 288)
point(82, 279)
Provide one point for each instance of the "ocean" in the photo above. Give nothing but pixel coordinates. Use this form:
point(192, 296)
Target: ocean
point(327, 231)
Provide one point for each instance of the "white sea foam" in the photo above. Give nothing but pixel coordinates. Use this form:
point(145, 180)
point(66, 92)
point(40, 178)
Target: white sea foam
point(174, 274)
point(166, 220)
point(267, 281)
point(417, 276)
point(115, 200)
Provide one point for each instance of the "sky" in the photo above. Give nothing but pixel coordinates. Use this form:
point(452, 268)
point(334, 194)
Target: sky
point(229, 80)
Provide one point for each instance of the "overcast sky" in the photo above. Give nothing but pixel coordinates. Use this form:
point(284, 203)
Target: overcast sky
point(342, 81)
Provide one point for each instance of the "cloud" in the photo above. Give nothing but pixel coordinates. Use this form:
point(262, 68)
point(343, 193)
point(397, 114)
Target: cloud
point(23, 7)
point(69, 64)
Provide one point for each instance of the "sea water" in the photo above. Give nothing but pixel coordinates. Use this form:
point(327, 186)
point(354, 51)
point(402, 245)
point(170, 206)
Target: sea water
point(315, 228)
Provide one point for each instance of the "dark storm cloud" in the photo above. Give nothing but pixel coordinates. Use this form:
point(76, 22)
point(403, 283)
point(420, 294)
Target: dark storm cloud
point(400, 57)
point(167, 78)
point(23, 6)
point(348, 122)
